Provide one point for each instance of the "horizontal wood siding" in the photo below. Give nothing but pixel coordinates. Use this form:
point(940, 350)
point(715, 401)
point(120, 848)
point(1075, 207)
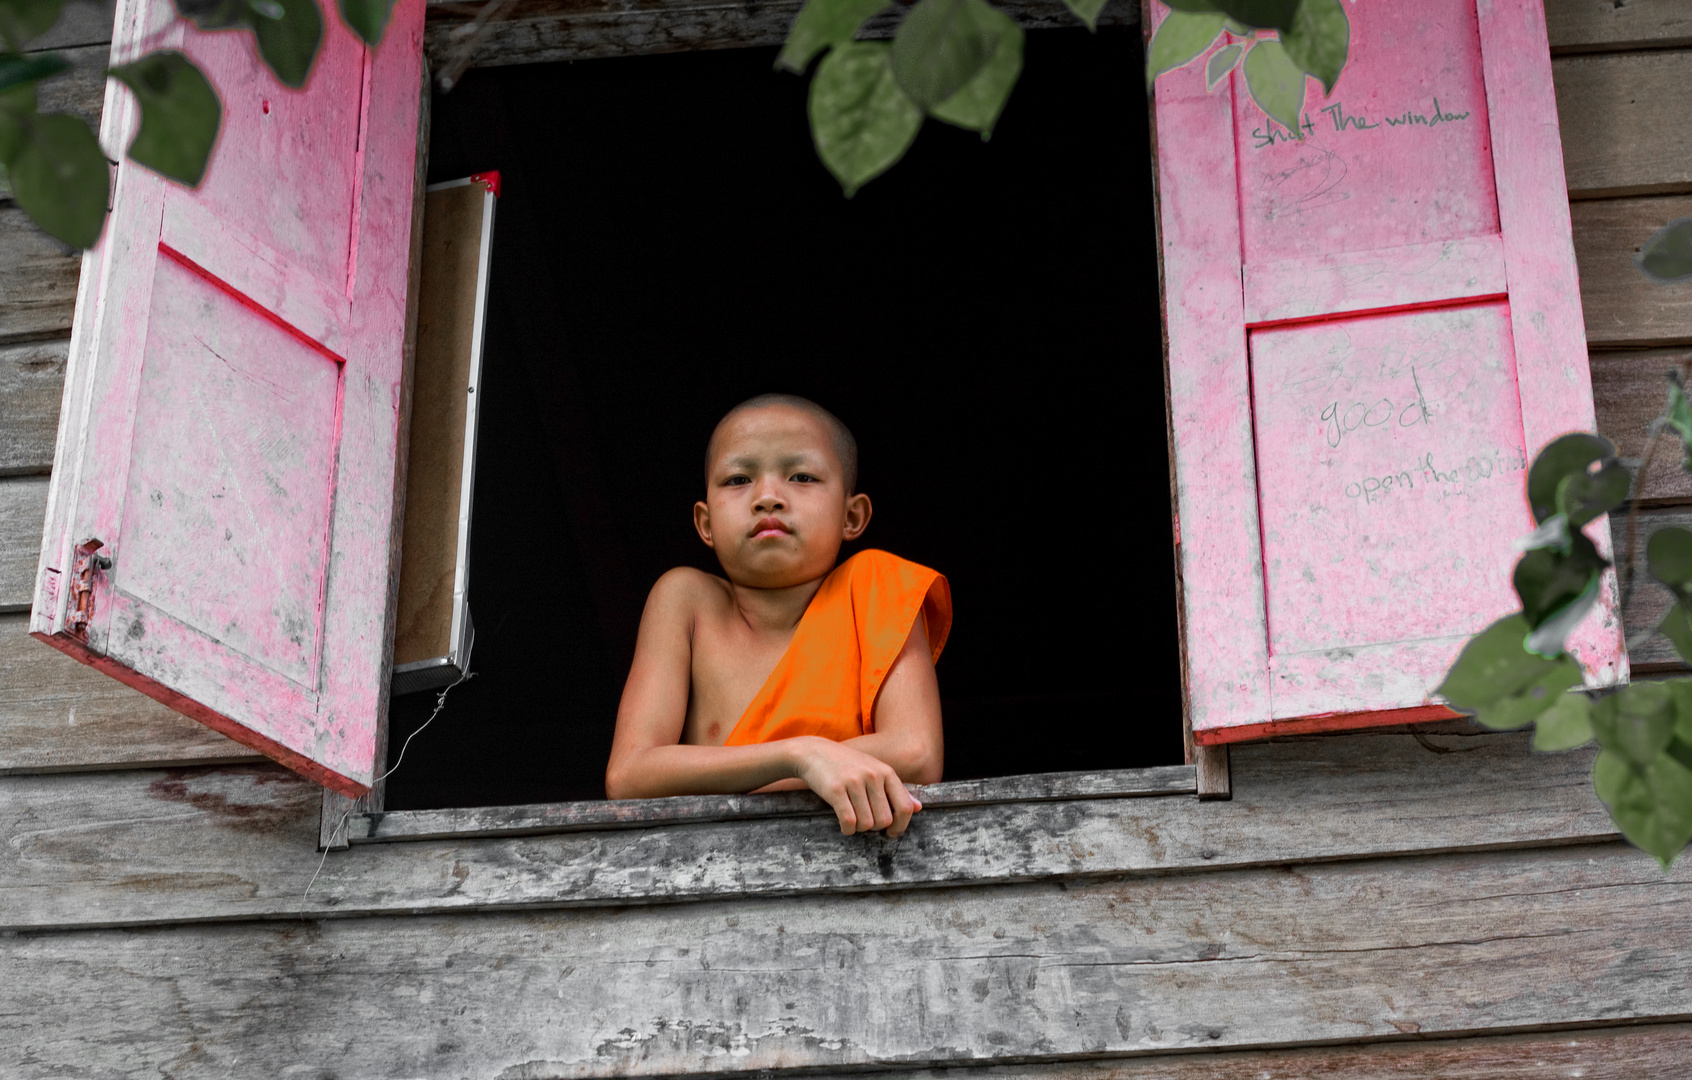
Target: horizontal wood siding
point(240, 842)
point(1455, 944)
point(37, 280)
point(1625, 122)
point(57, 715)
point(23, 506)
point(32, 377)
point(1622, 308)
point(1629, 389)
point(1616, 25)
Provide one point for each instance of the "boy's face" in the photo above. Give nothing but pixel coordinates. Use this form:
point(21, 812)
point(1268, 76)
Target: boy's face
point(776, 509)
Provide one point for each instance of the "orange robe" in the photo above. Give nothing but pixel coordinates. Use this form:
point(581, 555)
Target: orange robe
point(844, 646)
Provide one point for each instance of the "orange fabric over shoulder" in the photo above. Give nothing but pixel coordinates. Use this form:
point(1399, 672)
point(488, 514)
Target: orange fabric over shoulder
point(845, 643)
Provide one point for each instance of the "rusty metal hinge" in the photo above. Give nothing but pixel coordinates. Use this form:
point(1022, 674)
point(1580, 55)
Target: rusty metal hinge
point(80, 612)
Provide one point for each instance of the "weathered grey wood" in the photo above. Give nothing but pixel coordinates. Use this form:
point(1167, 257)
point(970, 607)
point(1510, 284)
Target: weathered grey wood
point(82, 90)
point(1211, 762)
point(535, 31)
point(1650, 600)
point(1622, 308)
point(81, 23)
point(37, 279)
point(1614, 25)
point(1629, 389)
point(241, 842)
point(23, 506)
point(32, 377)
point(56, 715)
point(1464, 944)
point(1626, 121)
point(1617, 1053)
point(544, 818)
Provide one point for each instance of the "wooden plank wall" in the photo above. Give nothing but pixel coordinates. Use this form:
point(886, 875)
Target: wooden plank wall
point(1430, 904)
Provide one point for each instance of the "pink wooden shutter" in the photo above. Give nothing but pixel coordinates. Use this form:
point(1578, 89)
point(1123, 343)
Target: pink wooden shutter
point(1372, 330)
point(234, 403)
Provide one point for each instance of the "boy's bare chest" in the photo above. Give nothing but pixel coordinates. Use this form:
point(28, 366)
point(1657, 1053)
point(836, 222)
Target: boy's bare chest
point(730, 665)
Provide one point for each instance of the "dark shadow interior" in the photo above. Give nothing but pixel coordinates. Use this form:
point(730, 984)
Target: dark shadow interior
point(985, 317)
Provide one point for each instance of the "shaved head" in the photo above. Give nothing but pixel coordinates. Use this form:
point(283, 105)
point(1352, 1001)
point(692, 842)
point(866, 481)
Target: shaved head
point(845, 446)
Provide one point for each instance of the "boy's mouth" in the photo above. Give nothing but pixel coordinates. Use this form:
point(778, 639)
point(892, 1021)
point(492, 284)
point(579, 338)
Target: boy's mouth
point(770, 527)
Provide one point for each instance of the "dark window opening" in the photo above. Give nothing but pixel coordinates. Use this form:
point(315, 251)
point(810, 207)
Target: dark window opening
point(985, 317)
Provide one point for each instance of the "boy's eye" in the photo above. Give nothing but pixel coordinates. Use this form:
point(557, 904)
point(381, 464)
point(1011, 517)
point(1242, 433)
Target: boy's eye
point(736, 481)
point(804, 478)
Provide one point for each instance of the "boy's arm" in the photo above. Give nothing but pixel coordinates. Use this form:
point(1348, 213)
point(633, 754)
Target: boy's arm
point(647, 760)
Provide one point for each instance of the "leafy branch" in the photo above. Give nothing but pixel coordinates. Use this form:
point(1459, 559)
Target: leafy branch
point(53, 163)
point(1517, 671)
point(958, 60)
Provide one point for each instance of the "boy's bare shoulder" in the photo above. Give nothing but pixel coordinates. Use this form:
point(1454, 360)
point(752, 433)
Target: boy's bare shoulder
point(684, 592)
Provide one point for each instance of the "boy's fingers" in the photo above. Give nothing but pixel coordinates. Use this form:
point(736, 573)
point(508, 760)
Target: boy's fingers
point(883, 813)
point(860, 804)
point(843, 810)
point(903, 807)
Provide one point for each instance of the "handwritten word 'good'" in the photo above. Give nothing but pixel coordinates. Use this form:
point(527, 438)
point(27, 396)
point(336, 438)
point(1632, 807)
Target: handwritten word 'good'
point(1338, 423)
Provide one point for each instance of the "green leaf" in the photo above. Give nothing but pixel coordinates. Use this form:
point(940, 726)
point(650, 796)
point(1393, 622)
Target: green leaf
point(1667, 256)
point(1220, 63)
point(861, 121)
point(61, 179)
point(367, 18)
point(1584, 496)
point(1548, 637)
point(1668, 557)
point(1562, 456)
point(1551, 584)
point(1502, 685)
point(1637, 722)
point(1565, 725)
point(17, 105)
point(289, 44)
point(1087, 11)
point(21, 20)
point(1676, 625)
point(978, 105)
point(1190, 5)
point(942, 45)
point(1652, 806)
point(1319, 40)
point(823, 24)
point(1178, 40)
point(1678, 416)
point(1261, 13)
point(180, 115)
point(1276, 83)
point(17, 70)
point(1553, 533)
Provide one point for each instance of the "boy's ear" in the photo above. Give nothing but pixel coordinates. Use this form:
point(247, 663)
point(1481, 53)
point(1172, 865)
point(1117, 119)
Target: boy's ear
point(858, 512)
point(702, 522)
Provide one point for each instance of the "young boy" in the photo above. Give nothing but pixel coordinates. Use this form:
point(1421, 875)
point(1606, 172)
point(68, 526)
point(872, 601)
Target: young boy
point(791, 672)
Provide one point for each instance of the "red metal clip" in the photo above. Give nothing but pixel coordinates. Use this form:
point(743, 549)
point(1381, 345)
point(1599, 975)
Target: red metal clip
point(489, 180)
point(81, 610)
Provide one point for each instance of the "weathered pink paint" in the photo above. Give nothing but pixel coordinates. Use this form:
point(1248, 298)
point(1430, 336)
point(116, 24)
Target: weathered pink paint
point(232, 412)
point(1372, 328)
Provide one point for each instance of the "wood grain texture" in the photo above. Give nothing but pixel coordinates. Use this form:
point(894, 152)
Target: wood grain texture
point(58, 716)
point(239, 843)
point(1626, 122)
point(544, 818)
point(81, 90)
point(1615, 25)
point(537, 31)
point(87, 22)
point(1622, 308)
point(23, 505)
point(37, 279)
point(1629, 390)
point(32, 378)
point(1619, 1053)
point(1476, 943)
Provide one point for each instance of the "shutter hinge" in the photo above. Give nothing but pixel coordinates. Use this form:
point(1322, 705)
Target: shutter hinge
point(81, 610)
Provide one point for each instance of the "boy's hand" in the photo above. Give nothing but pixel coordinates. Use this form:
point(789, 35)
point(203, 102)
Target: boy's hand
point(865, 792)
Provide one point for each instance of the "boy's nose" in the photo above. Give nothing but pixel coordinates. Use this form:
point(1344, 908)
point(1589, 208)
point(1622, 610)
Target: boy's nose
point(768, 501)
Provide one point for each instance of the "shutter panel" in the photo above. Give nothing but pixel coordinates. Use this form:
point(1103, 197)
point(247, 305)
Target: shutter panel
point(235, 399)
point(1372, 330)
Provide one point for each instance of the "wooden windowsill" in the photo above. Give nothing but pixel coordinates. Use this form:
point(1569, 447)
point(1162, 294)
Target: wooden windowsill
point(540, 818)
